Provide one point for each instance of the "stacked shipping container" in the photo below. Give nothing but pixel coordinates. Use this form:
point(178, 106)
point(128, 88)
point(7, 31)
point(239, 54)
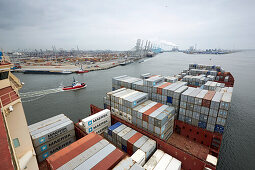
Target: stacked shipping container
point(51, 135)
point(90, 152)
point(205, 109)
point(97, 123)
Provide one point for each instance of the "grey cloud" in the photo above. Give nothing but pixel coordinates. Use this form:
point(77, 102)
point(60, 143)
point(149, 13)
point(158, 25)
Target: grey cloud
point(117, 24)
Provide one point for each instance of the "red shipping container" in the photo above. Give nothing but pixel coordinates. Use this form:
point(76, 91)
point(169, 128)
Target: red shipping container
point(206, 102)
point(131, 142)
point(149, 111)
point(66, 154)
point(159, 89)
point(110, 161)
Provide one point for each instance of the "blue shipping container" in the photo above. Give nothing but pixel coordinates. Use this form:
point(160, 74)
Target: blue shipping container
point(202, 124)
point(124, 148)
point(169, 99)
point(111, 128)
point(219, 128)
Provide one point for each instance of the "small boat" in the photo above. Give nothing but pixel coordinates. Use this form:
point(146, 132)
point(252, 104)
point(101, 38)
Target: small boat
point(75, 86)
point(82, 71)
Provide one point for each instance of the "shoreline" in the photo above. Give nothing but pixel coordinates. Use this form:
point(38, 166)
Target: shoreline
point(71, 68)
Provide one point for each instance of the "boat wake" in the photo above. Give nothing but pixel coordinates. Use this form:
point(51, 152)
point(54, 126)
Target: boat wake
point(38, 94)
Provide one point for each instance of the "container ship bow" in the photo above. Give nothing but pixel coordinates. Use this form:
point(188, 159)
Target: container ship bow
point(152, 122)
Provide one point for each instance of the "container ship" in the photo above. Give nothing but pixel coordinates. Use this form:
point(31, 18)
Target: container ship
point(152, 122)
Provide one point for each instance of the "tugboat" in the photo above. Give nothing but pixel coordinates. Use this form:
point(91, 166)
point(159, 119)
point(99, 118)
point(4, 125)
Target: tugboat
point(75, 86)
point(81, 71)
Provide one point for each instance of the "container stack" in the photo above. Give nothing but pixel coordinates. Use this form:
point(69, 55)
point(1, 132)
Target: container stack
point(206, 67)
point(130, 141)
point(97, 123)
point(157, 92)
point(206, 109)
point(124, 81)
point(161, 160)
point(51, 135)
point(128, 164)
point(184, 115)
point(213, 86)
point(123, 102)
point(90, 152)
point(171, 79)
point(154, 117)
point(145, 76)
point(223, 110)
point(152, 81)
point(206, 102)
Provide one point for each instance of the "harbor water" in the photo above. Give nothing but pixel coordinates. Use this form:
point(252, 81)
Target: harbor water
point(238, 147)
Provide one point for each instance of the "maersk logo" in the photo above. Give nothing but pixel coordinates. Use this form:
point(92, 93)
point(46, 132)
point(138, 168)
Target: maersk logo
point(45, 155)
point(41, 140)
point(154, 83)
point(90, 129)
point(134, 103)
point(43, 148)
point(90, 123)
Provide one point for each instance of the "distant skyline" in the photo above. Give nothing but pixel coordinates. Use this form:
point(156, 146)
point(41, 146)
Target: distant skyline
point(116, 25)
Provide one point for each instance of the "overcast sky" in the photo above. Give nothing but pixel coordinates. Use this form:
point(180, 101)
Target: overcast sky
point(117, 24)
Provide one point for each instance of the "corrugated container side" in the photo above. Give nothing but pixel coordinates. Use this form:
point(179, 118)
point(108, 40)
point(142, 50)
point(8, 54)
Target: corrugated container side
point(46, 122)
point(154, 160)
point(126, 163)
point(45, 136)
point(51, 151)
point(136, 166)
point(110, 161)
point(64, 155)
point(96, 158)
point(149, 148)
point(174, 165)
point(139, 157)
point(76, 161)
point(125, 139)
point(54, 142)
point(164, 161)
point(139, 143)
point(131, 142)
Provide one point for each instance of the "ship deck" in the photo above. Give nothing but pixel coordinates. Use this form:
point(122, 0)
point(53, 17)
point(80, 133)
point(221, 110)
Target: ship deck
point(191, 147)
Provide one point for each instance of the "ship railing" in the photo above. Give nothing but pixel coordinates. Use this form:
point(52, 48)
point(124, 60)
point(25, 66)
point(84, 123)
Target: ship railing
point(8, 98)
point(15, 82)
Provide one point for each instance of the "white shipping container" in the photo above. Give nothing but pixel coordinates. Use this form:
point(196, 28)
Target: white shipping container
point(126, 164)
point(91, 120)
point(98, 125)
point(54, 142)
point(153, 161)
point(57, 122)
point(149, 147)
point(136, 166)
point(164, 161)
point(139, 157)
point(47, 135)
point(174, 165)
point(46, 122)
point(51, 151)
